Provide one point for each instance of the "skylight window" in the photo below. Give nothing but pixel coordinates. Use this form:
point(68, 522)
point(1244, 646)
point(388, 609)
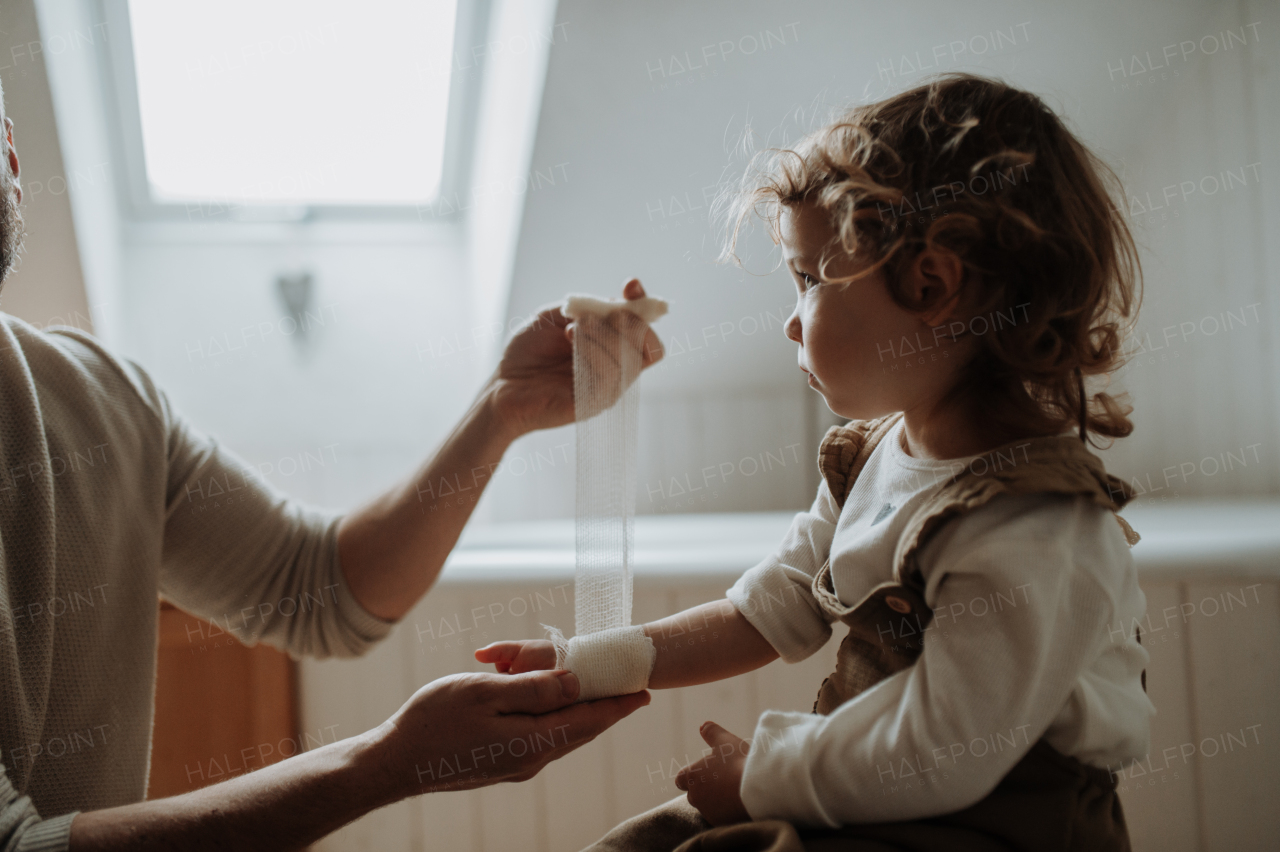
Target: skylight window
point(293, 102)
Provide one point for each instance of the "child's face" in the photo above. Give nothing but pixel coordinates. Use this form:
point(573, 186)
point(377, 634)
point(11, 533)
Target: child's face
point(849, 334)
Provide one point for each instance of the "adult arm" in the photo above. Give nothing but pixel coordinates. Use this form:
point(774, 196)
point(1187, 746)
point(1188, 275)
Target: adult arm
point(393, 548)
point(263, 567)
point(464, 722)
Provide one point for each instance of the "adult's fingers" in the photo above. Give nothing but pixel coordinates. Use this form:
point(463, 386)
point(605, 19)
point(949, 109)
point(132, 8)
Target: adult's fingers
point(562, 749)
point(583, 722)
point(653, 349)
point(550, 314)
point(535, 693)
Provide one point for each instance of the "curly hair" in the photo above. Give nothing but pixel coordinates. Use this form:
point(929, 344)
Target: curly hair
point(987, 171)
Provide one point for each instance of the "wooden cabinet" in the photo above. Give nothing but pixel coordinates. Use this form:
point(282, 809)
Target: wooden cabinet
point(222, 709)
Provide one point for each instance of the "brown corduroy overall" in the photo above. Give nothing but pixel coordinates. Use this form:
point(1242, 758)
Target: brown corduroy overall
point(1048, 801)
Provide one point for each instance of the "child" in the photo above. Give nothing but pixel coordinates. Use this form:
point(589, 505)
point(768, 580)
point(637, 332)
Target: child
point(962, 275)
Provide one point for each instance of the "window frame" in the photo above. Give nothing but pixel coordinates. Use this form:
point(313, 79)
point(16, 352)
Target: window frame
point(125, 119)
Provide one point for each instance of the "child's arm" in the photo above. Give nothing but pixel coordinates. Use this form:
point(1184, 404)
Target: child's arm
point(708, 642)
point(715, 640)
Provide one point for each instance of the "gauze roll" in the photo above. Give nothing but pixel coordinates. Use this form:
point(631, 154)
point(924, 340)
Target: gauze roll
point(609, 656)
point(577, 305)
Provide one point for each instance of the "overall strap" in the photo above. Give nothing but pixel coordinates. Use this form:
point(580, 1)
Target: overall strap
point(886, 627)
point(845, 449)
point(1048, 465)
point(841, 457)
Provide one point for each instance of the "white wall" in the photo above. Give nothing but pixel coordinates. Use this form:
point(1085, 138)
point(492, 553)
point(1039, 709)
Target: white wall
point(48, 287)
point(392, 358)
point(1201, 389)
point(75, 37)
point(631, 140)
point(366, 387)
point(647, 138)
point(520, 36)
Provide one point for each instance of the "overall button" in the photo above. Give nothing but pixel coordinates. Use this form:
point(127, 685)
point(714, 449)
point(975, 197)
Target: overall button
point(897, 604)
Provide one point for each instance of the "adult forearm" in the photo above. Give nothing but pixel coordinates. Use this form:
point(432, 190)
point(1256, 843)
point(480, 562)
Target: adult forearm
point(456, 733)
point(709, 642)
point(284, 806)
point(393, 548)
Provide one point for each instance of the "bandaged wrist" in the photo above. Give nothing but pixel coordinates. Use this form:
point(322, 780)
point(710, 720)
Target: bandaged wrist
point(607, 662)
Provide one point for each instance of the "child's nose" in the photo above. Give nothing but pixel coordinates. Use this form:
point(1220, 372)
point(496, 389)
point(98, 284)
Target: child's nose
point(793, 327)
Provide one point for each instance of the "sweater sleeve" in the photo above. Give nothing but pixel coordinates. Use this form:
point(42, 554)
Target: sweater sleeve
point(1018, 618)
point(235, 550)
point(776, 596)
point(22, 829)
point(258, 565)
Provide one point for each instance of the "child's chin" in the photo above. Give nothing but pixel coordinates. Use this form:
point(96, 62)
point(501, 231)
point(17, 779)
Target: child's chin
point(842, 409)
point(855, 409)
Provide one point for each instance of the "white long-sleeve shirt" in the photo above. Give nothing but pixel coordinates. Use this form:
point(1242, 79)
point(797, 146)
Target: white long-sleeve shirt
point(1034, 602)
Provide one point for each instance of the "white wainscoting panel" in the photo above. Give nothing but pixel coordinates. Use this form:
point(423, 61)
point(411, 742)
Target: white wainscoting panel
point(1213, 631)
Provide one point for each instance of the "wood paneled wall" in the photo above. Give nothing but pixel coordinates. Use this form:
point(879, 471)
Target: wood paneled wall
point(221, 709)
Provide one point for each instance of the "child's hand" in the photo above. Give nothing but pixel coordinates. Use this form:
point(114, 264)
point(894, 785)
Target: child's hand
point(713, 783)
point(528, 655)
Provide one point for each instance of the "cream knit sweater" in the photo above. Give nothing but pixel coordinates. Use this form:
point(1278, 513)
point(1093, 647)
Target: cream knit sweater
point(108, 499)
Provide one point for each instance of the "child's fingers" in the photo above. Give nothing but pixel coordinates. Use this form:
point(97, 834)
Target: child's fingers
point(519, 657)
point(534, 656)
point(499, 652)
point(688, 772)
point(714, 735)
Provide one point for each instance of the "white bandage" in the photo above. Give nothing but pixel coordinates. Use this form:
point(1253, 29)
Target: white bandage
point(577, 305)
point(608, 662)
point(609, 656)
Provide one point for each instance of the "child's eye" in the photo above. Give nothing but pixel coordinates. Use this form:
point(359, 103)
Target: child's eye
point(809, 280)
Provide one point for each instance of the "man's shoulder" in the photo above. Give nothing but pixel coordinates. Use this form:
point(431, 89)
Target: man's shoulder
point(65, 342)
point(69, 364)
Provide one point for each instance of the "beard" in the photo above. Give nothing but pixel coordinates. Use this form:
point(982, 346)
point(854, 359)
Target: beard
point(12, 229)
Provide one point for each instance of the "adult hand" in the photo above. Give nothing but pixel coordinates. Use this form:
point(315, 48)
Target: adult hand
point(533, 386)
point(713, 783)
point(473, 730)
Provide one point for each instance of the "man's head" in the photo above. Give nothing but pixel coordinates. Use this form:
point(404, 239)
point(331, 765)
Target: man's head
point(11, 227)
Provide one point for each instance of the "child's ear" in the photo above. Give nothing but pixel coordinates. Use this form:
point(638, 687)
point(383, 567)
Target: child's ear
point(935, 281)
